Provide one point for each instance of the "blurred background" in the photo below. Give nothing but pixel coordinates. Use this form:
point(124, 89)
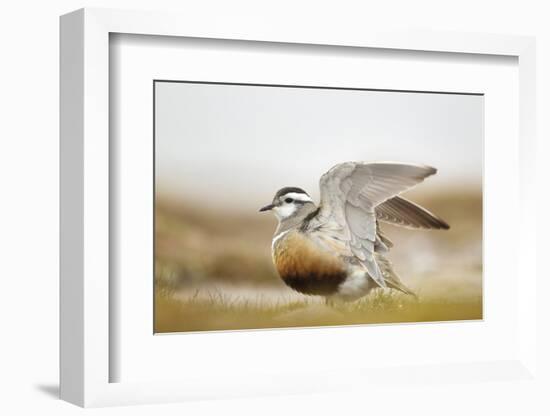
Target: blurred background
point(222, 151)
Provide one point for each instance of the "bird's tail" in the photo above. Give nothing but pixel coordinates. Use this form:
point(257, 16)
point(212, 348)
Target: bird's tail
point(390, 277)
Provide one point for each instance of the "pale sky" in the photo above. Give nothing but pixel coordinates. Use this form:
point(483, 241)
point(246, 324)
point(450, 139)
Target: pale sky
point(240, 144)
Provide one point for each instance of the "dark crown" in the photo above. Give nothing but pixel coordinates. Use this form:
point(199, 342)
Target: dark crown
point(288, 189)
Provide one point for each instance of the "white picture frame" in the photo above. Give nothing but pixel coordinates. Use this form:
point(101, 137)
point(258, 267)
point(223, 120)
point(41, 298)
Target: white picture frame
point(86, 356)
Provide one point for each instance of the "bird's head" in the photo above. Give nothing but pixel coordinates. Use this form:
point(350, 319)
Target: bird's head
point(290, 202)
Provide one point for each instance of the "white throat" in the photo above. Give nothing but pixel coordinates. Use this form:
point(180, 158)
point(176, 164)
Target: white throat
point(284, 211)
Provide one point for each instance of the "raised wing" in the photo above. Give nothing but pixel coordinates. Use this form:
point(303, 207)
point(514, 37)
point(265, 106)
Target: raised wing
point(350, 192)
point(400, 211)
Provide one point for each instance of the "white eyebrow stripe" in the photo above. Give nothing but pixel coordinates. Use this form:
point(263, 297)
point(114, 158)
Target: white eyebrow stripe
point(298, 196)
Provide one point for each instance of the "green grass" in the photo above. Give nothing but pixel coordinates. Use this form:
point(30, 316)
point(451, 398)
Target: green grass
point(219, 311)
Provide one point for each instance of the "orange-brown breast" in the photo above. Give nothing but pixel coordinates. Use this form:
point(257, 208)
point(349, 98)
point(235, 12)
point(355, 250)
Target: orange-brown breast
point(306, 267)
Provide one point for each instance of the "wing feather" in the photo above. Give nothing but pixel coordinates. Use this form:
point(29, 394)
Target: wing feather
point(400, 211)
point(350, 193)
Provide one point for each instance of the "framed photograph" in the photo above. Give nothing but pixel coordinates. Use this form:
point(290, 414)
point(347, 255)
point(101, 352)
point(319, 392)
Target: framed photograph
point(222, 149)
point(237, 205)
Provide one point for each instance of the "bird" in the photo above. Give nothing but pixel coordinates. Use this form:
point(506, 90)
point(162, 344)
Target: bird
point(336, 249)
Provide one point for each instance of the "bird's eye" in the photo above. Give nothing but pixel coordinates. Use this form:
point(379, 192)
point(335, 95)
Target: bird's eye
point(288, 200)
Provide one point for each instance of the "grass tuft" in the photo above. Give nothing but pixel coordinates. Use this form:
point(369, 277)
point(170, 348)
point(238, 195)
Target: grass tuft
point(216, 310)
